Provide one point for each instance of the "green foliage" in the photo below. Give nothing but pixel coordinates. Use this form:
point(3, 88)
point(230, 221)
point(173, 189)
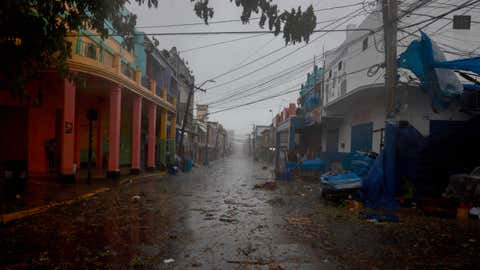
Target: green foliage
point(297, 25)
point(33, 32)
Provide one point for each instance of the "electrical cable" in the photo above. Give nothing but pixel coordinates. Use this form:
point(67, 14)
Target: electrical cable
point(281, 58)
point(239, 20)
point(285, 92)
point(219, 43)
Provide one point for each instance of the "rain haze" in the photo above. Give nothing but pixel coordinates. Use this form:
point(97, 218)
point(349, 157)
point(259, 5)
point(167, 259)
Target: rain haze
point(212, 61)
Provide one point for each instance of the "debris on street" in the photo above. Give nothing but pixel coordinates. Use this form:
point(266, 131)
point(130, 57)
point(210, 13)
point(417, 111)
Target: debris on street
point(269, 185)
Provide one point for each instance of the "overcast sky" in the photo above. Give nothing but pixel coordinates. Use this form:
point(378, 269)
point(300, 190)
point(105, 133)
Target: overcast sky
point(209, 62)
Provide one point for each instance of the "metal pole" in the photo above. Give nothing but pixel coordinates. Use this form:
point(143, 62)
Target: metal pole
point(390, 34)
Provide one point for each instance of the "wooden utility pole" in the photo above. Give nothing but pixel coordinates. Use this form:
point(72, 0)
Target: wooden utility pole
point(390, 13)
point(185, 120)
point(206, 144)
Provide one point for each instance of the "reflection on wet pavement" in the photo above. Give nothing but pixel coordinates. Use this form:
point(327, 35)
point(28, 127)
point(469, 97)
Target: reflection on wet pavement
point(224, 223)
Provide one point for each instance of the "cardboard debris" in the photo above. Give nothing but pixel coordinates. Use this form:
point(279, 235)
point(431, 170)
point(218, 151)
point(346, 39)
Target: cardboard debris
point(270, 185)
point(304, 220)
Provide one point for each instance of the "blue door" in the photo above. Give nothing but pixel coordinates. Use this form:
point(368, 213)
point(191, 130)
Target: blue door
point(362, 136)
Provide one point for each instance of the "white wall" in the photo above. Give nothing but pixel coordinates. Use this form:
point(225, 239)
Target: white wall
point(455, 44)
point(417, 111)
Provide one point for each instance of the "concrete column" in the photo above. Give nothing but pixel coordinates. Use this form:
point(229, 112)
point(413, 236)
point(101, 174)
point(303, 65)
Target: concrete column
point(152, 119)
point(68, 131)
point(114, 132)
point(171, 137)
point(136, 133)
point(99, 143)
point(162, 139)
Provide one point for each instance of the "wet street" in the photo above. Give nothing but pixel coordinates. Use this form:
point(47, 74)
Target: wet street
point(214, 218)
point(224, 223)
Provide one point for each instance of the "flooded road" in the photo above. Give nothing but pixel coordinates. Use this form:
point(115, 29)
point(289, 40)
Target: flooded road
point(224, 223)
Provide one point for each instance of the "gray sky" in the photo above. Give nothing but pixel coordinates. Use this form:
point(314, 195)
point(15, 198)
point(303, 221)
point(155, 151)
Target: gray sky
point(208, 62)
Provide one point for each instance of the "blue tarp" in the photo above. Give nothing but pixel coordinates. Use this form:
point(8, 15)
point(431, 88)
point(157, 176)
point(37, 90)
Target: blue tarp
point(342, 181)
point(428, 63)
point(358, 165)
point(312, 165)
point(469, 64)
point(378, 188)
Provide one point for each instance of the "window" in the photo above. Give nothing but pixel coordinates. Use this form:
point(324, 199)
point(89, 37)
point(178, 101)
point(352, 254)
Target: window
point(340, 64)
point(91, 51)
point(108, 58)
point(330, 74)
point(128, 71)
point(334, 80)
point(461, 22)
point(365, 44)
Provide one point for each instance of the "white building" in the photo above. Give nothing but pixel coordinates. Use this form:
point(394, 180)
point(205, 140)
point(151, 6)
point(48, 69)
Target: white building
point(354, 96)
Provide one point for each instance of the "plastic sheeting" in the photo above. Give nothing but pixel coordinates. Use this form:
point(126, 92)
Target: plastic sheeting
point(428, 63)
point(469, 64)
point(342, 181)
point(312, 165)
point(378, 188)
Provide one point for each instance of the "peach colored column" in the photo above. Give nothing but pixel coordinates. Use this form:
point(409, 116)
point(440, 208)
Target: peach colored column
point(136, 132)
point(152, 120)
point(68, 130)
point(99, 146)
point(114, 132)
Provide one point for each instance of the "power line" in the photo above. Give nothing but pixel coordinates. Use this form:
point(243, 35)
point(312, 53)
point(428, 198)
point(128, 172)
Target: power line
point(281, 58)
point(438, 17)
point(237, 92)
point(210, 33)
point(260, 100)
point(237, 20)
point(285, 92)
point(261, 90)
point(220, 43)
point(266, 79)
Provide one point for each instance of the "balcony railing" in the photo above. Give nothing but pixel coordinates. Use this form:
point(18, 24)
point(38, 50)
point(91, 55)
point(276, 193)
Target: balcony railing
point(90, 53)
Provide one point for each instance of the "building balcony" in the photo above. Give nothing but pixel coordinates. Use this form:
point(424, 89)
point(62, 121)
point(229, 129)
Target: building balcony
point(107, 59)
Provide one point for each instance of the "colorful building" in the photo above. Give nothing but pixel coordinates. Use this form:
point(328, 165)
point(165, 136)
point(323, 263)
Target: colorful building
point(117, 104)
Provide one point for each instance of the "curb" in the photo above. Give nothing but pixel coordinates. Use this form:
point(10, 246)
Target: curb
point(6, 218)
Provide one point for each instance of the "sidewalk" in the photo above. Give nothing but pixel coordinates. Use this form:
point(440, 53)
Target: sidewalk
point(44, 191)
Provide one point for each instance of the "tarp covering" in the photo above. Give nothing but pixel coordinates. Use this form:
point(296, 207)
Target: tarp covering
point(428, 63)
point(312, 165)
point(378, 188)
point(342, 181)
point(357, 164)
point(469, 64)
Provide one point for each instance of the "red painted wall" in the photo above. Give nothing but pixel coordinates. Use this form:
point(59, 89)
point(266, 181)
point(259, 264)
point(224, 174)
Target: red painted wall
point(46, 98)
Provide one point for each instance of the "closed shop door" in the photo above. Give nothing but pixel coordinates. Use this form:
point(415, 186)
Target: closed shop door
point(362, 136)
point(332, 141)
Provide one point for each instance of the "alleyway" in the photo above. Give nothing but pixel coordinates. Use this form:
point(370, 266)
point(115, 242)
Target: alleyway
point(213, 218)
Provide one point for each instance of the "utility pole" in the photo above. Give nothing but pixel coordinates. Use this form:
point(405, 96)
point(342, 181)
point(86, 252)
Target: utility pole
point(206, 144)
point(184, 123)
point(390, 13)
point(187, 109)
